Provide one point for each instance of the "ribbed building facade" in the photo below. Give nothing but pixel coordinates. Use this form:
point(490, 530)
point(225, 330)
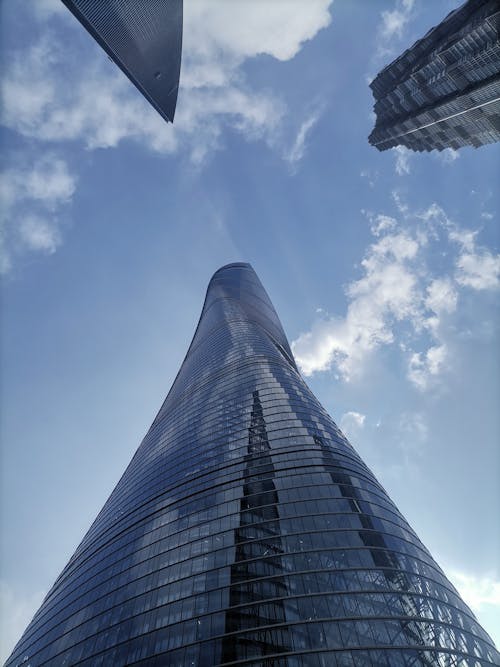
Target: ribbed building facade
point(144, 38)
point(247, 531)
point(443, 92)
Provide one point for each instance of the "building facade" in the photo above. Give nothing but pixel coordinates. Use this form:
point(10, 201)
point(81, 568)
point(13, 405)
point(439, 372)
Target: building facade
point(144, 39)
point(247, 531)
point(443, 92)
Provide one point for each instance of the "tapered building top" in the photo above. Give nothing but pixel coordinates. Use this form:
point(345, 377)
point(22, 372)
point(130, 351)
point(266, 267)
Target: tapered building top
point(144, 38)
point(247, 531)
point(443, 92)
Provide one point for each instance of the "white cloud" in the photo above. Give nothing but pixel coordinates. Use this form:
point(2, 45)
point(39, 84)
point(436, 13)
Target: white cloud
point(486, 215)
point(385, 293)
point(45, 8)
point(16, 613)
point(424, 366)
point(101, 108)
point(447, 156)
point(403, 155)
point(400, 204)
point(39, 234)
point(464, 237)
point(401, 246)
point(479, 270)
point(371, 176)
point(477, 591)
point(441, 296)
point(298, 148)
point(47, 181)
point(247, 28)
point(476, 266)
point(351, 423)
point(382, 223)
point(394, 21)
point(391, 28)
point(399, 299)
point(32, 199)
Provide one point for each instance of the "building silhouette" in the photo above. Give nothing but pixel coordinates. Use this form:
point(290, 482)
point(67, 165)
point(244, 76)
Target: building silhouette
point(443, 92)
point(144, 38)
point(247, 531)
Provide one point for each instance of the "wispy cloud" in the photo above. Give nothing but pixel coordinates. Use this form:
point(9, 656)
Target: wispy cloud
point(403, 156)
point(394, 21)
point(475, 266)
point(297, 150)
point(32, 199)
point(351, 423)
point(39, 234)
point(371, 175)
point(441, 297)
point(381, 224)
point(47, 8)
point(478, 268)
point(425, 366)
point(399, 299)
point(447, 156)
point(384, 293)
point(391, 28)
point(47, 181)
point(478, 591)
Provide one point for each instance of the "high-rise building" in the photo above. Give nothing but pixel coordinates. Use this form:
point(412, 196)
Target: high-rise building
point(247, 531)
point(144, 38)
point(443, 92)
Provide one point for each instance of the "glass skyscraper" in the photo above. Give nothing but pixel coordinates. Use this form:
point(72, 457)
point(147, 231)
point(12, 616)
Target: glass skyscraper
point(247, 531)
point(444, 91)
point(144, 38)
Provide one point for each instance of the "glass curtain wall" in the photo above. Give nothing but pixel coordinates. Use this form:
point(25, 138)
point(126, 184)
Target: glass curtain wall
point(247, 531)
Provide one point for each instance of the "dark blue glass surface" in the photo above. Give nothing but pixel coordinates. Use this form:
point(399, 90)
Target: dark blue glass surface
point(144, 38)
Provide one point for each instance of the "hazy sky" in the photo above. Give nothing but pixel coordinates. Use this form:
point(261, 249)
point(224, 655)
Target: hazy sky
point(383, 267)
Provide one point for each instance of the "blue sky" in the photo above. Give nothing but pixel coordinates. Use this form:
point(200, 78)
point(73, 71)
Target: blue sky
point(383, 267)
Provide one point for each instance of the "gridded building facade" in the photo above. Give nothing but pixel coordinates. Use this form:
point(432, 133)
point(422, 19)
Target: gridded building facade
point(144, 38)
point(247, 531)
point(444, 92)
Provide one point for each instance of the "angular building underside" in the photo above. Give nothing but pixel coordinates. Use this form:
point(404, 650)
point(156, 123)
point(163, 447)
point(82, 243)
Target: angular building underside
point(144, 38)
point(443, 92)
point(247, 531)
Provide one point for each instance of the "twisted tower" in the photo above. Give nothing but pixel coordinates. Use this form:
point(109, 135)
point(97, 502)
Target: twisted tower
point(247, 531)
